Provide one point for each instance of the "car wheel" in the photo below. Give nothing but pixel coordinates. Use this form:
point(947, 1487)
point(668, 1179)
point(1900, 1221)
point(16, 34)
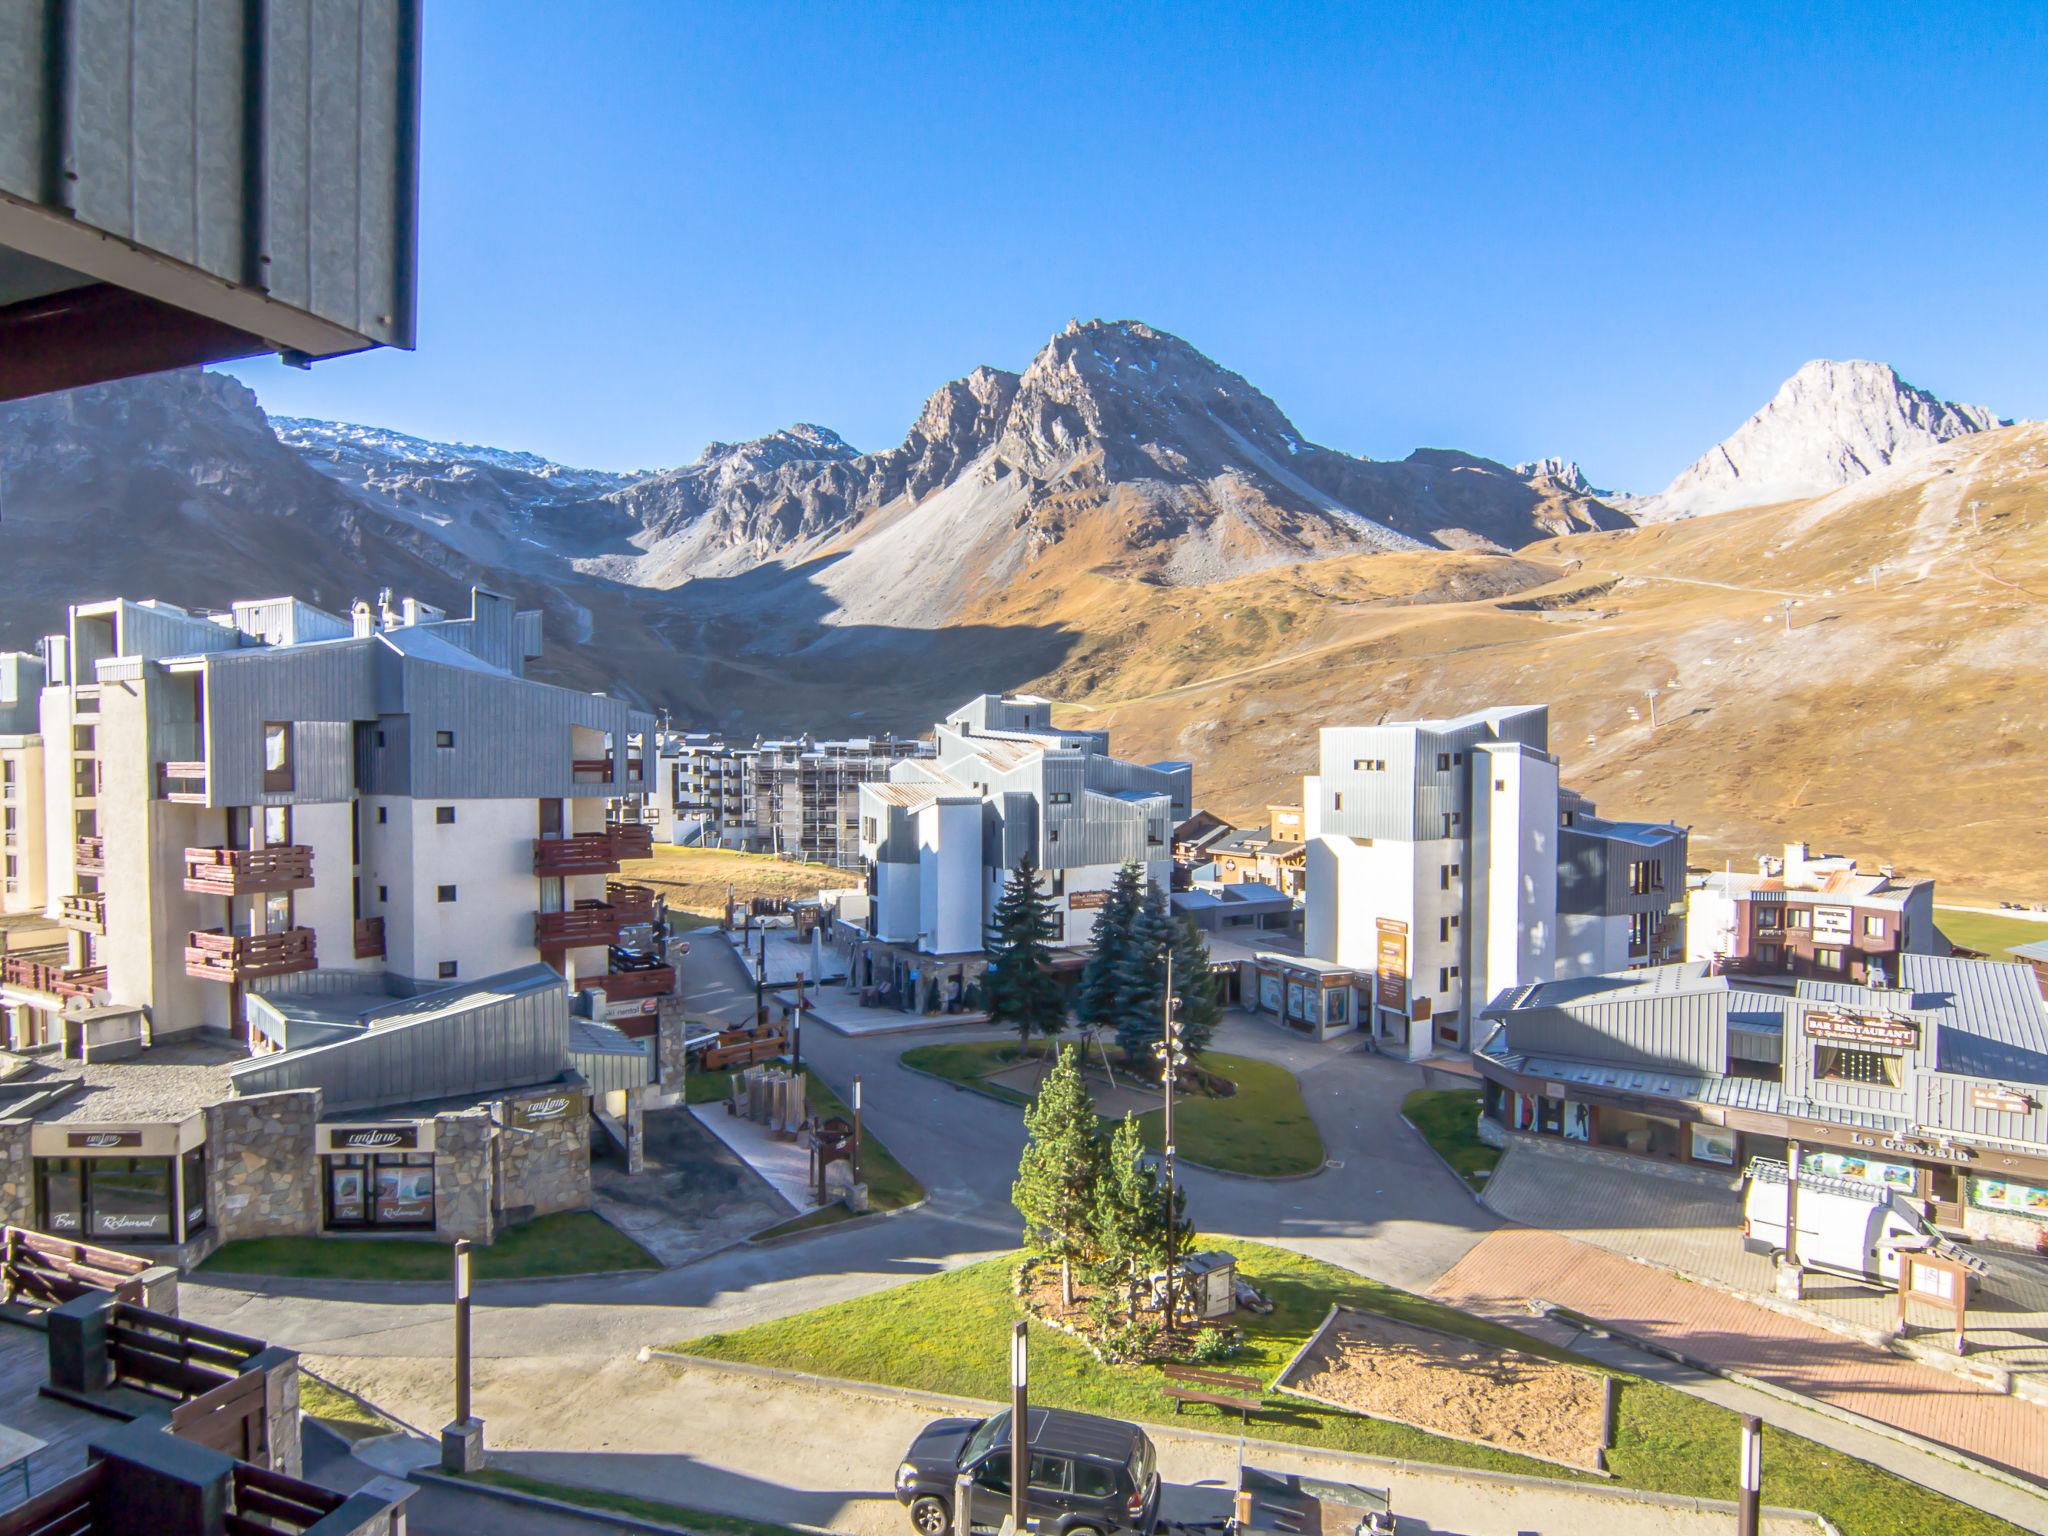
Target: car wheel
point(930, 1516)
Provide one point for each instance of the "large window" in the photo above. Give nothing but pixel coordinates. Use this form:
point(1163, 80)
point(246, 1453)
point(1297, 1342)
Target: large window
point(277, 758)
point(192, 1173)
point(1840, 1064)
point(380, 1190)
point(114, 1199)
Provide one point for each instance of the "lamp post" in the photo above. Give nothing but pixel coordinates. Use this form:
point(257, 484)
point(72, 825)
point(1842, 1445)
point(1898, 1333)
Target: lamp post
point(1749, 1509)
point(1020, 1424)
point(462, 1442)
point(1171, 1057)
point(856, 1129)
point(796, 1028)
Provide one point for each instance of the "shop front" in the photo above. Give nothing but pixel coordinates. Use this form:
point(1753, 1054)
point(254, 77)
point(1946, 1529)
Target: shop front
point(1984, 1191)
point(377, 1176)
point(1306, 995)
point(1701, 1135)
point(132, 1184)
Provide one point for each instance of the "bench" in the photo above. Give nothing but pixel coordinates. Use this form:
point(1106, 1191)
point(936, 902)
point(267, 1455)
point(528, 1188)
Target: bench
point(1187, 1384)
point(742, 1051)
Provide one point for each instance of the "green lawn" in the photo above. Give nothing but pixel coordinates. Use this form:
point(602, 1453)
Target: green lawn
point(1262, 1129)
point(702, 1522)
point(1447, 1118)
point(949, 1333)
point(1994, 935)
point(342, 1412)
point(570, 1243)
point(891, 1186)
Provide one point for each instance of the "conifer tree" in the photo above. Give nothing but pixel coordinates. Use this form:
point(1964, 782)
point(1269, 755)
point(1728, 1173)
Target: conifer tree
point(1095, 997)
point(1141, 979)
point(1128, 1213)
point(1201, 1006)
point(1020, 986)
point(1055, 1189)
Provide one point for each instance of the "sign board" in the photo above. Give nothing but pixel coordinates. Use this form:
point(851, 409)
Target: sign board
point(630, 1008)
point(1390, 987)
point(1884, 1031)
point(1833, 922)
point(532, 1114)
point(373, 1138)
point(102, 1141)
point(1082, 901)
point(2000, 1101)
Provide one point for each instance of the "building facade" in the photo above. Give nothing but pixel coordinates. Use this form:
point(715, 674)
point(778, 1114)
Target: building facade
point(804, 795)
point(23, 860)
point(1445, 863)
point(274, 790)
point(941, 836)
point(1934, 1084)
point(1802, 915)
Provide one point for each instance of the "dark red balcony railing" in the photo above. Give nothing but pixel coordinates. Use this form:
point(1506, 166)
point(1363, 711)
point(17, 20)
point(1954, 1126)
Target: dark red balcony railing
point(214, 955)
point(589, 922)
point(244, 871)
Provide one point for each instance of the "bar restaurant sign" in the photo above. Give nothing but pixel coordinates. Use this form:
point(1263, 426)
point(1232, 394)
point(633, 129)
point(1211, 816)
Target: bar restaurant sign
point(1884, 1031)
point(374, 1138)
point(2000, 1100)
point(531, 1114)
point(1081, 901)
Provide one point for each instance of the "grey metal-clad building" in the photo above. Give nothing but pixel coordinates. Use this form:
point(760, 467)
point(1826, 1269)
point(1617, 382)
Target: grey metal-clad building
point(1405, 781)
point(187, 181)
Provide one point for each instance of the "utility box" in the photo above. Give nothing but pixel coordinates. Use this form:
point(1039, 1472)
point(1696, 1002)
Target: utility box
point(1207, 1284)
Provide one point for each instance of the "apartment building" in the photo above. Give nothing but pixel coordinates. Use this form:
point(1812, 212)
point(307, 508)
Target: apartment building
point(1445, 864)
point(1808, 914)
point(941, 836)
point(704, 784)
point(1275, 854)
point(22, 861)
point(804, 795)
point(1932, 1084)
point(383, 799)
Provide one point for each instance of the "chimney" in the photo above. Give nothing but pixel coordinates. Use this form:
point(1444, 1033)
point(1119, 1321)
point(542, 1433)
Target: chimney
point(386, 614)
point(359, 621)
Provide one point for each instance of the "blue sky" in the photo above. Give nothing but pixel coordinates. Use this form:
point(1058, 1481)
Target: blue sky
point(1606, 232)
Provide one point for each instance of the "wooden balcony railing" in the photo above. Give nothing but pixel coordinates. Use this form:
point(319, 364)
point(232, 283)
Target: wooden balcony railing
point(589, 853)
point(633, 903)
point(369, 938)
point(49, 1271)
point(181, 781)
point(632, 839)
point(589, 922)
point(268, 1501)
point(19, 971)
point(91, 855)
point(601, 767)
point(654, 981)
point(214, 955)
point(244, 871)
point(86, 910)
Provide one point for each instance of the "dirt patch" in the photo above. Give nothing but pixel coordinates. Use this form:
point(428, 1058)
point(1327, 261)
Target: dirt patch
point(1454, 1386)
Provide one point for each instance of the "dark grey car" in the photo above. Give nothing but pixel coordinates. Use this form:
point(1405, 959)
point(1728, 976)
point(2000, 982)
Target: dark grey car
point(1089, 1476)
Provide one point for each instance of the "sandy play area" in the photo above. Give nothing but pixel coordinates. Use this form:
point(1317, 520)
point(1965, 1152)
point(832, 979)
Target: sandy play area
point(1453, 1386)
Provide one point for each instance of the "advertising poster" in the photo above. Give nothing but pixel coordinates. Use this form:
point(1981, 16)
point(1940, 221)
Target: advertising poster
point(1713, 1144)
point(2009, 1195)
point(1850, 1165)
point(346, 1187)
point(1297, 1000)
point(405, 1194)
point(1269, 992)
point(1578, 1121)
point(1390, 989)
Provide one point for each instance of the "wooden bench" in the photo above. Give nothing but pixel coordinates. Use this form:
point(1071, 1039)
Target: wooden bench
point(1187, 1384)
point(742, 1051)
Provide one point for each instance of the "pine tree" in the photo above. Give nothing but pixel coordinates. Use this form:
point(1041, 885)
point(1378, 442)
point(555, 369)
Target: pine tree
point(1201, 1007)
point(1127, 1214)
point(1021, 989)
point(1095, 997)
point(1141, 979)
point(1055, 1191)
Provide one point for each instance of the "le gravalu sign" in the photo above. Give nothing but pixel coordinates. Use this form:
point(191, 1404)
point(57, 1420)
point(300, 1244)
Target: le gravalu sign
point(529, 1114)
point(2001, 1100)
point(1886, 1031)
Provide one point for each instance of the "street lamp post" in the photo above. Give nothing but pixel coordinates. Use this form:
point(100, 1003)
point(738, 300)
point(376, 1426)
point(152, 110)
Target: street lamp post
point(462, 1442)
point(1171, 1058)
point(1020, 1424)
point(1749, 1511)
point(856, 1129)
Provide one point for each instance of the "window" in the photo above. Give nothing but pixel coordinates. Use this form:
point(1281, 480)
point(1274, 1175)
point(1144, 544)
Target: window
point(1828, 959)
point(1336, 802)
point(383, 893)
point(277, 758)
point(1767, 954)
point(192, 1173)
point(1799, 917)
point(1457, 759)
point(1873, 926)
point(1452, 821)
point(1640, 934)
point(1443, 877)
point(444, 738)
point(1642, 876)
point(380, 738)
point(1445, 927)
point(1443, 762)
point(1838, 1064)
point(383, 814)
point(444, 815)
point(446, 970)
point(1445, 976)
point(1052, 834)
point(1061, 797)
point(1093, 1480)
point(277, 826)
point(1500, 784)
point(867, 830)
point(1769, 917)
point(1369, 765)
point(444, 893)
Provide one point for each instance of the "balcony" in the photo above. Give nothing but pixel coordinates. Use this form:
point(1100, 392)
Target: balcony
point(246, 871)
point(212, 954)
point(19, 971)
point(181, 781)
point(86, 911)
point(633, 903)
point(369, 938)
point(590, 922)
point(90, 856)
point(622, 986)
point(599, 769)
point(590, 853)
point(631, 839)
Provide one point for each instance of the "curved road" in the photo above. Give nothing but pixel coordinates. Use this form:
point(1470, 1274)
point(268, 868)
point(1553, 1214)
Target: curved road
point(1385, 1207)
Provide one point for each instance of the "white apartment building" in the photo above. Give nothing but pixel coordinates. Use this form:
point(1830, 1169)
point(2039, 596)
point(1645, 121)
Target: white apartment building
point(1447, 865)
point(276, 798)
point(942, 835)
point(22, 857)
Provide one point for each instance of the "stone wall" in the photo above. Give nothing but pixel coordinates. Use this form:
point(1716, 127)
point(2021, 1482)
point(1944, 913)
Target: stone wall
point(463, 1192)
point(17, 1176)
point(263, 1166)
point(544, 1154)
point(671, 1030)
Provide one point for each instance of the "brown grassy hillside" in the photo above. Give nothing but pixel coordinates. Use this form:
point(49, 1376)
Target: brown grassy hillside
point(1899, 722)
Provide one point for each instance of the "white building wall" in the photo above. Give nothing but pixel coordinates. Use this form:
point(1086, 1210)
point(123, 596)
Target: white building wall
point(1514, 854)
point(26, 838)
point(1591, 945)
point(1080, 922)
point(949, 857)
point(328, 905)
point(897, 888)
point(487, 855)
point(1709, 921)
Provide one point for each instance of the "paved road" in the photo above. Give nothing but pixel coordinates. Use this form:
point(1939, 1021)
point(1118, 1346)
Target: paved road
point(1386, 1208)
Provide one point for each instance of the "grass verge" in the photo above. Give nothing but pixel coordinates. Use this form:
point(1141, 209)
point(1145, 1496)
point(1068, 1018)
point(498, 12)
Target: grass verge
point(1263, 1129)
point(891, 1186)
point(695, 880)
point(703, 1522)
point(1988, 932)
point(568, 1243)
point(949, 1333)
point(1448, 1119)
point(347, 1415)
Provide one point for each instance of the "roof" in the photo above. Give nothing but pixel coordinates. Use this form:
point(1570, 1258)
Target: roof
point(1003, 756)
point(1645, 834)
point(2037, 950)
point(1078, 1434)
point(1208, 897)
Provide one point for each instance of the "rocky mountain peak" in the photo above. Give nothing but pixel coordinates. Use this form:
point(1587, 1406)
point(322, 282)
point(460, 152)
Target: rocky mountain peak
point(1565, 473)
point(1829, 424)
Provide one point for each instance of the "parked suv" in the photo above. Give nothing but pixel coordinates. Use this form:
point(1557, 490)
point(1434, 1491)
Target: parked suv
point(1089, 1476)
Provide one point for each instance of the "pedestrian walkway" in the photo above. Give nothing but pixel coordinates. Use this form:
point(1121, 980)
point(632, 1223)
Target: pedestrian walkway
point(841, 1010)
point(1518, 1265)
